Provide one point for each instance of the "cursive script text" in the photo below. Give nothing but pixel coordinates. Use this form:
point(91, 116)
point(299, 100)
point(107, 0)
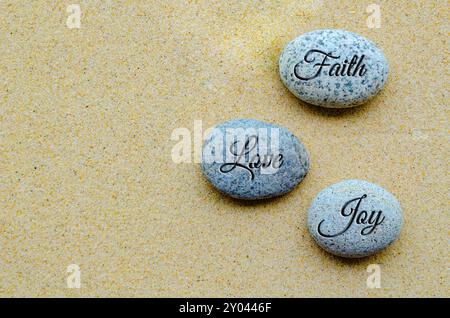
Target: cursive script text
point(256, 162)
point(354, 67)
point(355, 216)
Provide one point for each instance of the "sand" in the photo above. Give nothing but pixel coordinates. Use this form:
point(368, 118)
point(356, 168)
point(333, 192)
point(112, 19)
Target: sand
point(87, 176)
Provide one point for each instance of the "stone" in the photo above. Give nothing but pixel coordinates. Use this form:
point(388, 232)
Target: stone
point(333, 68)
point(354, 218)
point(250, 159)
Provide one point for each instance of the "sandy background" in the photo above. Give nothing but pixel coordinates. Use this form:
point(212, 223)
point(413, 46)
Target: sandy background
point(86, 172)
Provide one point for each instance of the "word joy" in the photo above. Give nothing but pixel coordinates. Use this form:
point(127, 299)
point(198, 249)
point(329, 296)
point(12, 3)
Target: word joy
point(356, 217)
point(353, 68)
point(255, 162)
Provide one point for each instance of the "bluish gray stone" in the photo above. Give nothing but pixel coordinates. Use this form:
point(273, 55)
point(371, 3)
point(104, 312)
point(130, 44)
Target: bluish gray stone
point(250, 159)
point(354, 218)
point(333, 68)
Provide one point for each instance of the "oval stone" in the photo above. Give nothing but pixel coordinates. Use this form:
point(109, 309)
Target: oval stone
point(250, 159)
point(354, 218)
point(333, 68)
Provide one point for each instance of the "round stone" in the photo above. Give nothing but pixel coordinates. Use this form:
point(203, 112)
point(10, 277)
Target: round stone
point(250, 159)
point(354, 218)
point(333, 68)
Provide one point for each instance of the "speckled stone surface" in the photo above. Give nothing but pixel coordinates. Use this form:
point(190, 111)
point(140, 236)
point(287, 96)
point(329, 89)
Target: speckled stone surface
point(354, 218)
point(250, 159)
point(333, 68)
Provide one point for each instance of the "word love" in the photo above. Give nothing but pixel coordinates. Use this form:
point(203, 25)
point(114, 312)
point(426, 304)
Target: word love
point(255, 162)
point(353, 68)
point(250, 159)
point(356, 217)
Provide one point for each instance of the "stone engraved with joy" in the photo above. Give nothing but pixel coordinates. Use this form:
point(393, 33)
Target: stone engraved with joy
point(255, 162)
point(354, 67)
point(355, 216)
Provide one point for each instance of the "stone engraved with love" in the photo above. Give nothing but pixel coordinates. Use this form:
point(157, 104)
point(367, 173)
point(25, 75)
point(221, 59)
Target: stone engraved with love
point(254, 162)
point(357, 217)
point(350, 67)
